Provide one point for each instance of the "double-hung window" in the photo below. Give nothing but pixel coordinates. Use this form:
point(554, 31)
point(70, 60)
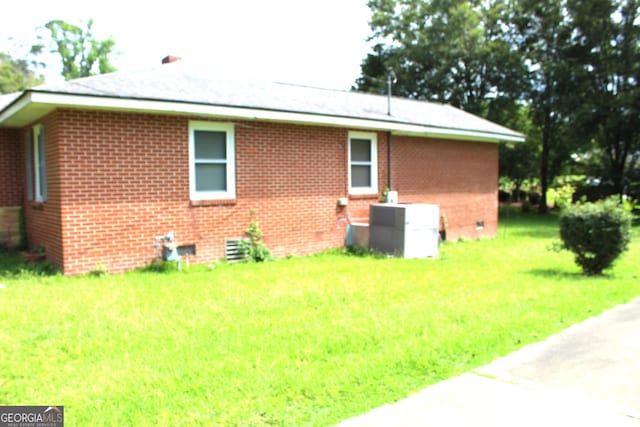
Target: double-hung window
point(363, 163)
point(36, 164)
point(211, 161)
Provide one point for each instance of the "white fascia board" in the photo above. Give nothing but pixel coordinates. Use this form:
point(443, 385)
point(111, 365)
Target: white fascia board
point(154, 106)
point(457, 134)
point(21, 102)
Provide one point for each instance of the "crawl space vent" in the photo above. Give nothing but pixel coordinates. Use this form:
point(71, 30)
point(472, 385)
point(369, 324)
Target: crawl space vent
point(233, 251)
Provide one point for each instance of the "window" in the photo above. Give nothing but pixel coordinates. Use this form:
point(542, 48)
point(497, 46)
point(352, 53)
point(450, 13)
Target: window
point(36, 165)
point(28, 156)
point(363, 163)
point(212, 161)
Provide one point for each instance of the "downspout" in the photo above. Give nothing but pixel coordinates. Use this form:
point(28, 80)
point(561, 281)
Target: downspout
point(391, 78)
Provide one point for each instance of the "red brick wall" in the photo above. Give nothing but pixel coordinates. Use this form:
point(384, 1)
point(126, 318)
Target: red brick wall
point(43, 220)
point(460, 176)
point(125, 179)
point(11, 166)
point(117, 180)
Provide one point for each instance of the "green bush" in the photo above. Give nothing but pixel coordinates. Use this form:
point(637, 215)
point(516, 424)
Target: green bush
point(254, 248)
point(597, 233)
point(561, 196)
point(43, 268)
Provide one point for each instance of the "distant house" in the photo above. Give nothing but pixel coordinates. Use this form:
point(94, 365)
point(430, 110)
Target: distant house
point(103, 164)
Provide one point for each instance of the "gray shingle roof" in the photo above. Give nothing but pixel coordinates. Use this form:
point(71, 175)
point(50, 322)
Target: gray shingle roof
point(185, 83)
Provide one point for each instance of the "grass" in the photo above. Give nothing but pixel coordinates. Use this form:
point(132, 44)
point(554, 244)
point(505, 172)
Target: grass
point(301, 341)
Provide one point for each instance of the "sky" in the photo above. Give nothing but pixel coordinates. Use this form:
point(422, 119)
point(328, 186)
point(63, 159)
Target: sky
point(318, 43)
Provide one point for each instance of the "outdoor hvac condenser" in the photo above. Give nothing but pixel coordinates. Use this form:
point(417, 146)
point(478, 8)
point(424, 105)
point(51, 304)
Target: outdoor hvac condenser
point(406, 230)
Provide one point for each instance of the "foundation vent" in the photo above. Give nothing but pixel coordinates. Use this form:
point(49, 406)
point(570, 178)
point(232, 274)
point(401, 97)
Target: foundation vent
point(233, 250)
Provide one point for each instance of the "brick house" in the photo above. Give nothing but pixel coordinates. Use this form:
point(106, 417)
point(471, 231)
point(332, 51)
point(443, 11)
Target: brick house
point(103, 164)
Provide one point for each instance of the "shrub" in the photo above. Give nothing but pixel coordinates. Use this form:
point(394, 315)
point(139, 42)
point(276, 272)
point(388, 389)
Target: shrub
point(356, 250)
point(254, 248)
point(597, 233)
point(155, 266)
point(99, 270)
point(43, 268)
point(562, 195)
point(593, 193)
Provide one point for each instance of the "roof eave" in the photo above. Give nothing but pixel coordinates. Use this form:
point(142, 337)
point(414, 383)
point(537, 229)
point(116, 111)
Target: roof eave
point(15, 107)
point(18, 114)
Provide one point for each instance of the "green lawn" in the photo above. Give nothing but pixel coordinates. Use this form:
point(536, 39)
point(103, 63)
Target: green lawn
point(301, 341)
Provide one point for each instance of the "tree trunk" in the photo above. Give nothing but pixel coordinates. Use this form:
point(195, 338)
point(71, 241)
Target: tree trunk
point(544, 163)
point(621, 166)
point(517, 190)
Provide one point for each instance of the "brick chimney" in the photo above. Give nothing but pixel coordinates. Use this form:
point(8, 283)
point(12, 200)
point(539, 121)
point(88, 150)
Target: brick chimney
point(170, 58)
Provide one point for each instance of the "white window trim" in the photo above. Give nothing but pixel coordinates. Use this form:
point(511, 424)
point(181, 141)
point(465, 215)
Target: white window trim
point(373, 137)
point(39, 194)
point(231, 163)
point(28, 154)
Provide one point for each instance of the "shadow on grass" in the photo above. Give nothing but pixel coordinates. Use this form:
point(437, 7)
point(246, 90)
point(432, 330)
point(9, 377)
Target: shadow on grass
point(558, 274)
point(506, 231)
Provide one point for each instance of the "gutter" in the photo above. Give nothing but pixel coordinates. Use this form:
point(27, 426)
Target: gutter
point(101, 102)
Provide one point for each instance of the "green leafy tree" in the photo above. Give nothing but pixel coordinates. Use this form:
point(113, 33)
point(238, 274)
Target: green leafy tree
point(82, 55)
point(543, 38)
point(518, 162)
point(17, 74)
point(374, 68)
point(451, 51)
point(606, 71)
point(458, 52)
point(573, 65)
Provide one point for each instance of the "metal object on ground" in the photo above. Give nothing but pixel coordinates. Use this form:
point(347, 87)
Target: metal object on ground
point(408, 230)
point(169, 248)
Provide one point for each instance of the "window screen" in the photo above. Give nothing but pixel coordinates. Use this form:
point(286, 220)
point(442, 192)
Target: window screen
point(210, 149)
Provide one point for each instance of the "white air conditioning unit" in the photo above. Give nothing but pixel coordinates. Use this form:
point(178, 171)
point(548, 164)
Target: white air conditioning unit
point(406, 230)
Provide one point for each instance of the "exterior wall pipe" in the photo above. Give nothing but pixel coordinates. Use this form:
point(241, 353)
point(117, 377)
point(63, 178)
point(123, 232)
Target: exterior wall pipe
point(391, 78)
point(389, 161)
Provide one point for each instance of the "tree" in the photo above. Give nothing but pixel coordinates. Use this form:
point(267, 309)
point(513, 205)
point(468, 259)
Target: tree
point(606, 41)
point(17, 74)
point(543, 36)
point(374, 70)
point(451, 51)
point(574, 65)
point(81, 54)
point(518, 162)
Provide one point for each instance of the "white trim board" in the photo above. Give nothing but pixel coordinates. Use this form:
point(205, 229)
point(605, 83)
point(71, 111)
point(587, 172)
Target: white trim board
point(49, 101)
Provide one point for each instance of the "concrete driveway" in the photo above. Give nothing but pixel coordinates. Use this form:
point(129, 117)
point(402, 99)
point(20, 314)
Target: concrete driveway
point(588, 375)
